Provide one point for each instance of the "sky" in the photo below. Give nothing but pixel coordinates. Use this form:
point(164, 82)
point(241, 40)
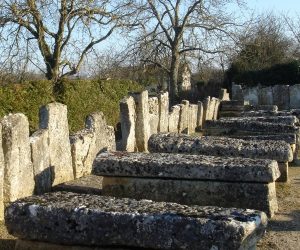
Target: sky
point(291, 7)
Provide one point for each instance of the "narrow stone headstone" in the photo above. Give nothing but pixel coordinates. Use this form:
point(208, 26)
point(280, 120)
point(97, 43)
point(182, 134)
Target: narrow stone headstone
point(174, 118)
point(54, 118)
point(193, 111)
point(237, 92)
point(18, 169)
point(184, 117)
point(2, 166)
point(281, 96)
point(142, 127)
point(163, 100)
point(153, 114)
point(224, 95)
point(199, 115)
point(41, 161)
point(295, 96)
point(266, 96)
point(216, 108)
point(110, 138)
point(128, 119)
point(206, 109)
point(251, 95)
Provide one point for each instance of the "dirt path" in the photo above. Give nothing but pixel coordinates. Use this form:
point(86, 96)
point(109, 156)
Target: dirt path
point(283, 231)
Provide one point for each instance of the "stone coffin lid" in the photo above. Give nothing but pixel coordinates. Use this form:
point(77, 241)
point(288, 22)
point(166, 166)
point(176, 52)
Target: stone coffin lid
point(92, 220)
point(220, 146)
point(178, 166)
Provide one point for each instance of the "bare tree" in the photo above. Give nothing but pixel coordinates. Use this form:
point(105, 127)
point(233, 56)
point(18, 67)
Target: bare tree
point(177, 29)
point(59, 34)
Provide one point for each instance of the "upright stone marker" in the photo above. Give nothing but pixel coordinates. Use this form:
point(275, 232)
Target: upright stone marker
point(193, 111)
point(174, 119)
point(142, 127)
point(251, 95)
point(237, 92)
point(2, 165)
point(266, 96)
point(184, 117)
point(41, 161)
point(295, 96)
point(128, 118)
point(206, 108)
point(153, 114)
point(200, 115)
point(54, 118)
point(18, 171)
point(163, 100)
point(216, 109)
point(224, 95)
point(281, 96)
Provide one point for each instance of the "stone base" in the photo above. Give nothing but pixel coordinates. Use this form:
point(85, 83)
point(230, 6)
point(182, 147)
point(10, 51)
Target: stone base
point(260, 196)
point(284, 172)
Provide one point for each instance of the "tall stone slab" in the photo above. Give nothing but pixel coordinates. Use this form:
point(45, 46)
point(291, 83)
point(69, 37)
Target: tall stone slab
point(237, 92)
point(2, 165)
point(174, 119)
point(18, 169)
point(295, 96)
point(281, 96)
point(206, 109)
point(216, 109)
point(54, 118)
point(163, 100)
point(128, 119)
point(142, 127)
point(41, 161)
point(153, 114)
point(251, 95)
point(193, 111)
point(184, 117)
point(110, 138)
point(200, 115)
point(211, 108)
point(266, 96)
point(224, 95)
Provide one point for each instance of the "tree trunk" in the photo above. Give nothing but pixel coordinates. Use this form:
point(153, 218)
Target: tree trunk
point(173, 89)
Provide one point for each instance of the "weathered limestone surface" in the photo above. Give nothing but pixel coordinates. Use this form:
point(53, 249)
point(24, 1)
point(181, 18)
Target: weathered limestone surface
point(41, 161)
point(184, 117)
point(177, 166)
point(266, 96)
point(250, 126)
point(251, 95)
point(80, 145)
point(211, 108)
point(259, 113)
point(199, 116)
point(288, 138)
point(163, 101)
point(92, 220)
point(153, 114)
point(287, 120)
point(111, 138)
point(224, 95)
point(206, 109)
point(260, 196)
point(281, 96)
point(234, 105)
point(220, 146)
point(193, 112)
point(271, 108)
point(54, 118)
point(128, 118)
point(294, 96)
point(237, 92)
point(142, 128)
point(216, 108)
point(2, 166)
point(18, 169)
point(174, 118)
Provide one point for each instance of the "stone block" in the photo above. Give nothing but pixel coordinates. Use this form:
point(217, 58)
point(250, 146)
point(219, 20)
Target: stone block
point(53, 117)
point(251, 95)
point(184, 117)
point(266, 96)
point(163, 102)
point(2, 166)
point(174, 118)
point(111, 138)
point(237, 92)
point(193, 112)
point(220, 146)
point(206, 109)
point(286, 120)
point(281, 96)
point(128, 118)
point(216, 109)
point(41, 161)
point(199, 116)
point(288, 138)
point(18, 169)
point(284, 171)
point(294, 96)
point(142, 127)
point(92, 220)
point(224, 95)
point(153, 114)
point(260, 196)
point(184, 166)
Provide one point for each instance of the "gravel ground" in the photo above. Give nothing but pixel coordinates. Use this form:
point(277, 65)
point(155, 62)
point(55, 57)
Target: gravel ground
point(283, 230)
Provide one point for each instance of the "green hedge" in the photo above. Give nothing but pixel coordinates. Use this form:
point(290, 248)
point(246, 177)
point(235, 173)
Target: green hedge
point(81, 96)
